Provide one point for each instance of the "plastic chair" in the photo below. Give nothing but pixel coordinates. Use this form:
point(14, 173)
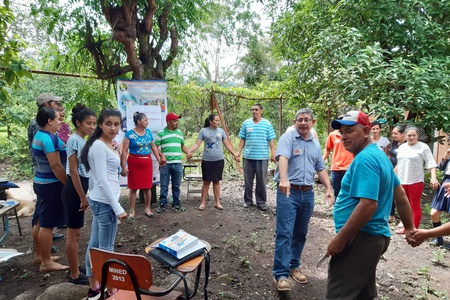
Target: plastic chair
point(131, 274)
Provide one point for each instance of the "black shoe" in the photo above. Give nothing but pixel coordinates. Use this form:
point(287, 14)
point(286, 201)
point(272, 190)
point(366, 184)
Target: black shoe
point(54, 249)
point(58, 236)
point(262, 207)
point(80, 268)
point(81, 280)
point(94, 294)
point(162, 208)
point(247, 205)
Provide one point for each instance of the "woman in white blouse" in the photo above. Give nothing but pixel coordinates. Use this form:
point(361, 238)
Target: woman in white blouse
point(412, 158)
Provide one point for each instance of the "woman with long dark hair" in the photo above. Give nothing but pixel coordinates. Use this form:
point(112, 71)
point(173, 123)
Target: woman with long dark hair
point(212, 159)
point(74, 192)
point(100, 157)
point(137, 164)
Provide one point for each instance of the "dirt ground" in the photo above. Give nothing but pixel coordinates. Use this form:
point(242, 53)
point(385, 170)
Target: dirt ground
point(242, 243)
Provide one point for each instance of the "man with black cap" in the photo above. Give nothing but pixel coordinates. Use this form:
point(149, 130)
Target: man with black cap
point(361, 213)
point(170, 141)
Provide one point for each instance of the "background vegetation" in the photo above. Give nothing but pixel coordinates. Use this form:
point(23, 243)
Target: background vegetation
point(387, 58)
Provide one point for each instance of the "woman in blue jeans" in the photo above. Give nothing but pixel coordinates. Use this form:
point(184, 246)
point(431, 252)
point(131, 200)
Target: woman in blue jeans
point(101, 158)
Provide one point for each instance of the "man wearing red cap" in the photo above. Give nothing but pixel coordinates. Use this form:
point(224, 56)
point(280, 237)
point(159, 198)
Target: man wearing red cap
point(170, 141)
point(361, 213)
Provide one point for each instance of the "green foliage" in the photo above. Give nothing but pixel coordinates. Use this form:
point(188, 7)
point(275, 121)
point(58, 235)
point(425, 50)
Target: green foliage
point(384, 57)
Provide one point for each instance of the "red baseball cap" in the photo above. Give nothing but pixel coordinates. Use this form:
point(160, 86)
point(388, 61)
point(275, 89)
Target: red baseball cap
point(352, 118)
point(172, 116)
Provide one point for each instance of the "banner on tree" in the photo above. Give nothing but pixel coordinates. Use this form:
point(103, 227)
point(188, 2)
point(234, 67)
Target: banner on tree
point(146, 96)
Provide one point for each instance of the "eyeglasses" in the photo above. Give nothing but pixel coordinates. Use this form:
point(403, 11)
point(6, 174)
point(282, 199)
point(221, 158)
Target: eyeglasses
point(303, 120)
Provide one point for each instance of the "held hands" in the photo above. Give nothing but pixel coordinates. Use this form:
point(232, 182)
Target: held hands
point(413, 238)
point(434, 184)
point(237, 157)
point(84, 204)
point(124, 172)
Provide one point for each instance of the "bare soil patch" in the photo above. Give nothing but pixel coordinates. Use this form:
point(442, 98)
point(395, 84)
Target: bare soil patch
point(242, 243)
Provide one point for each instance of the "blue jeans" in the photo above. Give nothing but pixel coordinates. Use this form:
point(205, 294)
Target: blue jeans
point(103, 231)
point(336, 180)
point(176, 172)
point(293, 216)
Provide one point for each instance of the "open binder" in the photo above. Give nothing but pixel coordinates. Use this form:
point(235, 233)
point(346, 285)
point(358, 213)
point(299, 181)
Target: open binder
point(169, 260)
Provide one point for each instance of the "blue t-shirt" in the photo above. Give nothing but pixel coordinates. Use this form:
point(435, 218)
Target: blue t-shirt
point(140, 144)
point(257, 137)
point(212, 138)
point(370, 176)
point(46, 142)
point(304, 158)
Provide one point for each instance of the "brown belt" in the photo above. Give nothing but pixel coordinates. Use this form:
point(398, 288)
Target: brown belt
point(302, 188)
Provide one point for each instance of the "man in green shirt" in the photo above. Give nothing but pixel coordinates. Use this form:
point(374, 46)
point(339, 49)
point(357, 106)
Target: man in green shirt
point(170, 141)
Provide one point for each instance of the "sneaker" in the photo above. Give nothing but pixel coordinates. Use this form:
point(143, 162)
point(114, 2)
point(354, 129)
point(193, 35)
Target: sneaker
point(94, 294)
point(54, 249)
point(178, 208)
point(80, 268)
point(298, 276)
point(81, 280)
point(446, 247)
point(58, 236)
point(162, 208)
point(436, 243)
point(247, 205)
point(283, 285)
point(262, 207)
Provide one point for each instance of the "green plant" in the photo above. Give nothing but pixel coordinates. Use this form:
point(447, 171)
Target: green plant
point(245, 262)
point(253, 238)
point(439, 255)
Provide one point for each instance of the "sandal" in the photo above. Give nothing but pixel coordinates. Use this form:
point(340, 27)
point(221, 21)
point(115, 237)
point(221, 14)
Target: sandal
point(201, 207)
point(218, 206)
point(150, 215)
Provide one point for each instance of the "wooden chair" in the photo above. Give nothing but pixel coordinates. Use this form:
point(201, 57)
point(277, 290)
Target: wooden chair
point(191, 173)
point(131, 274)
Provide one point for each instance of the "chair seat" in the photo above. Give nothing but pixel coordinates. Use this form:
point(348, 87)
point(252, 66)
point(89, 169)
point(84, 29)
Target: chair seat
point(131, 295)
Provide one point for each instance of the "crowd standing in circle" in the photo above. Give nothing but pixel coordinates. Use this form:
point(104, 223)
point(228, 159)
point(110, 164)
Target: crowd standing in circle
point(136, 162)
point(74, 192)
point(360, 214)
point(213, 160)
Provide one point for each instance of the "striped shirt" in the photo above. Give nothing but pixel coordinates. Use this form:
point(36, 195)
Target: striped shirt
point(171, 143)
point(46, 142)
point(75, 144)
point(257, 137)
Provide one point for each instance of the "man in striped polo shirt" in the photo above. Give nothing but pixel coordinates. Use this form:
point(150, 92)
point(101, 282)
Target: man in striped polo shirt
point(256, 136)
point(170, 141)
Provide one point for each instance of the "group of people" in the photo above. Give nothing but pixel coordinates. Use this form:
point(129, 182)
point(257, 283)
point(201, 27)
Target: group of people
point(364, 186)
point(65, 172)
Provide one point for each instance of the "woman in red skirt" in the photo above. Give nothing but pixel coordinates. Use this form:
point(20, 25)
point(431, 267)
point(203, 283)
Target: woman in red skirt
point(138, 166)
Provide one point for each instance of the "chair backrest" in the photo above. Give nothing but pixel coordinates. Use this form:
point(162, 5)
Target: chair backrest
point(121, 269)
